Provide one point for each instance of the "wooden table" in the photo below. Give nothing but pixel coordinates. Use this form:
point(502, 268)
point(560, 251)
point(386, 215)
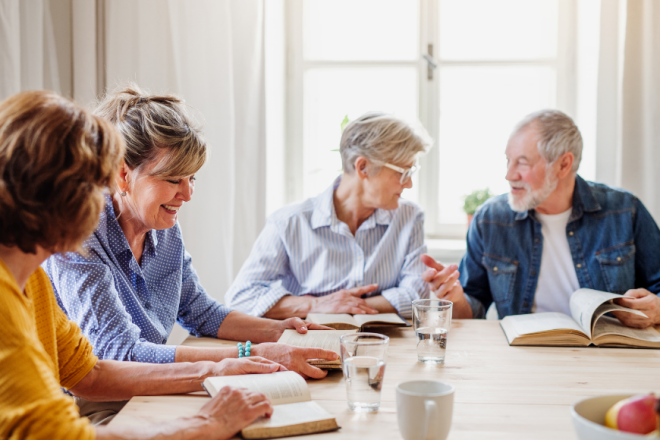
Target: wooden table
point(502, 392)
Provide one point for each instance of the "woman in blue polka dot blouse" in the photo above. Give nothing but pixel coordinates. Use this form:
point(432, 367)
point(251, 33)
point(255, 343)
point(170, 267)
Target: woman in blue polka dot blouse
point(136, 278)
point(56, 160)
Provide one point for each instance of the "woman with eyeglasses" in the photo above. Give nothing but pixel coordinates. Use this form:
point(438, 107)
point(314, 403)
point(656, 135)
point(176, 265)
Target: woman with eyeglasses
point(358, 238)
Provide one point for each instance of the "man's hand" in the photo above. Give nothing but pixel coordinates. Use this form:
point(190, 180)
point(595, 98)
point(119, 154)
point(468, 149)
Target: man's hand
point(642, 300)
point(295, 358)
point(246, 365)
point(444, 284)
point(344, 301)
point(232, 409)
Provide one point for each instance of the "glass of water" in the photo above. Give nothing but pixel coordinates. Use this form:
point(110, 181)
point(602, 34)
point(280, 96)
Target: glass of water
point(431, 321)
point(363, 358)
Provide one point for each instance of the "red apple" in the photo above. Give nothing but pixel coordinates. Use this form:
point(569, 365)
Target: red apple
point(634, 414)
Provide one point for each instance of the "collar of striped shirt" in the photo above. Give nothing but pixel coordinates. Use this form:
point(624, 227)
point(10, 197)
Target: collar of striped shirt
point(325, 215)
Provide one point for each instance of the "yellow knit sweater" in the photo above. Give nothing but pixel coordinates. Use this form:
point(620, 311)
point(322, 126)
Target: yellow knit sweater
point(40, 350)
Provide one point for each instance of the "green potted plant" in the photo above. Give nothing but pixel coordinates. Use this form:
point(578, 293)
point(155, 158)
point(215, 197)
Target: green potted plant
point(474, 200)
point(344, 123)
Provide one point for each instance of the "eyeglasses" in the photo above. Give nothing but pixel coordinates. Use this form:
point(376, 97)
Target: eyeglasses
point(406, 173)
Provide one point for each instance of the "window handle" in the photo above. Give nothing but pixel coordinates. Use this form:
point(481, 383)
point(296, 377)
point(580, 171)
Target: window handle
point(431, 62)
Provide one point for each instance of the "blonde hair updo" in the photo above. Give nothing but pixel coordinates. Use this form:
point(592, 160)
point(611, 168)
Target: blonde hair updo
point(152, 123)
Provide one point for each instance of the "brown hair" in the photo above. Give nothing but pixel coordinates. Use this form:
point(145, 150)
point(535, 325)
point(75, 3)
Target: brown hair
point(56, 159)
point(150, 123)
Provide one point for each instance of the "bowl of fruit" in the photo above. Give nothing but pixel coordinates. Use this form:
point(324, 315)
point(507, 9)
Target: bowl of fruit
point(617, 417)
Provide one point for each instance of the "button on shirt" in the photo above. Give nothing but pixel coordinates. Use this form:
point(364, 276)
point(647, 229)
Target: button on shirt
point(305, 250)
point(128, 310)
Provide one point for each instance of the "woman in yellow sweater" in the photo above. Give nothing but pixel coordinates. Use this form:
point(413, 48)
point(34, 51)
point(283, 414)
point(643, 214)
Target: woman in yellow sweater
point(55, 162)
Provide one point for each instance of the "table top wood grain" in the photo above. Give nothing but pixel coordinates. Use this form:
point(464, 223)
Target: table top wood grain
point(502, 392)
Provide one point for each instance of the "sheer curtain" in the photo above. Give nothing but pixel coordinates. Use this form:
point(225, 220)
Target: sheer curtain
point(628, 120)
point(28, 57)
point(211, 53)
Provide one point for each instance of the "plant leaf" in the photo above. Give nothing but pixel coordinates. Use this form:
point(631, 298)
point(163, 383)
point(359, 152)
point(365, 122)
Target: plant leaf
point(475, 200)
point(344, 123)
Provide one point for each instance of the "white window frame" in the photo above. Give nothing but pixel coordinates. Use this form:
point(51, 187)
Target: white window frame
point(428, 97)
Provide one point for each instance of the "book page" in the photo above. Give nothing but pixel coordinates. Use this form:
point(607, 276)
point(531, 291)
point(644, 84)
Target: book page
point(325, 339)
point(542, 322)
point(584, 303)
point(553, 337)
point(333, 318)
point(608, 325)
point(281, 387)
point(326, 365)
point(608, 307)
point(390, 318)
point(294, 413)
point(509, 330)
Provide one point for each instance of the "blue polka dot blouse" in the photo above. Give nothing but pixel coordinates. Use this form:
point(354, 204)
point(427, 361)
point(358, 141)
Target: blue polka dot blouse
point(128, 310)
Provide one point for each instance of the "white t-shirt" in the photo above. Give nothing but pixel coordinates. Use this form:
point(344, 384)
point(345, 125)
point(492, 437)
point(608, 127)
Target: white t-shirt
point(557, 278)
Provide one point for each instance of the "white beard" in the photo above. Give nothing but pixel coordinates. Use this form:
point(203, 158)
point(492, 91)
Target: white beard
point(532, 199)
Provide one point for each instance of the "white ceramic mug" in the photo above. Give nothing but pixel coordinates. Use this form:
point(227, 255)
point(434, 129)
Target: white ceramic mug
point(424, 409)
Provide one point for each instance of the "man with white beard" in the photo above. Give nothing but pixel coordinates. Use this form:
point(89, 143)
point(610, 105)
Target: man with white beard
point(554, 233)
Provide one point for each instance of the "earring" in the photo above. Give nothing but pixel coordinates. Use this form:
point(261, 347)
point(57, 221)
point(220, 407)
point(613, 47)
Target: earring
point(123, 193)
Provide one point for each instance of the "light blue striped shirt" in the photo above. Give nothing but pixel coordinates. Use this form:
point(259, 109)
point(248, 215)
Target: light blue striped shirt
point(305, 250)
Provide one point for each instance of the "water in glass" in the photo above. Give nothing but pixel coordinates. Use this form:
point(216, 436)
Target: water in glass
point(431, 321)
point(364, 378)
point(431, 344)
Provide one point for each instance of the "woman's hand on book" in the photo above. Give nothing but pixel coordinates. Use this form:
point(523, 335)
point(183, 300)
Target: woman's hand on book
point(246, 365)
point(233, 409)
point(344, 301)
point(274, 329)
point(295, 358)
point(341, 301)
point(297, 324)
point(642, 300)
point(300, 325)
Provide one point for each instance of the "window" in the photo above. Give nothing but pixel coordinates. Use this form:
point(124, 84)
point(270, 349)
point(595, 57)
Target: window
point(345, 60)
point(467, 69)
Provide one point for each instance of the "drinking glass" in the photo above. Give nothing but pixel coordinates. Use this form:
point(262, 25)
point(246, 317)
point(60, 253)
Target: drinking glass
point(431, 321)
point(363, 358)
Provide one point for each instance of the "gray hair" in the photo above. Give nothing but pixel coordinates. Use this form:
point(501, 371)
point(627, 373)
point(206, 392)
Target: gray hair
point(381, 138)
point(558, 135)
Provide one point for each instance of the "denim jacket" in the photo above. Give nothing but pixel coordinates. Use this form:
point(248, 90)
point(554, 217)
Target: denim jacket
point(614, 242)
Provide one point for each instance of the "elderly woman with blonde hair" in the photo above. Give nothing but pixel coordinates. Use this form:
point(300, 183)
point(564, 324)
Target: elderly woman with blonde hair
point(358, 238)
point(56, 162)
point(136, 278)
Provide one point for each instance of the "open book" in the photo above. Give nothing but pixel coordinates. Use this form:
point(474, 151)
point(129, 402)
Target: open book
point(343, 321)
point(294, 412)
point(325, 339)
point(587, 326)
